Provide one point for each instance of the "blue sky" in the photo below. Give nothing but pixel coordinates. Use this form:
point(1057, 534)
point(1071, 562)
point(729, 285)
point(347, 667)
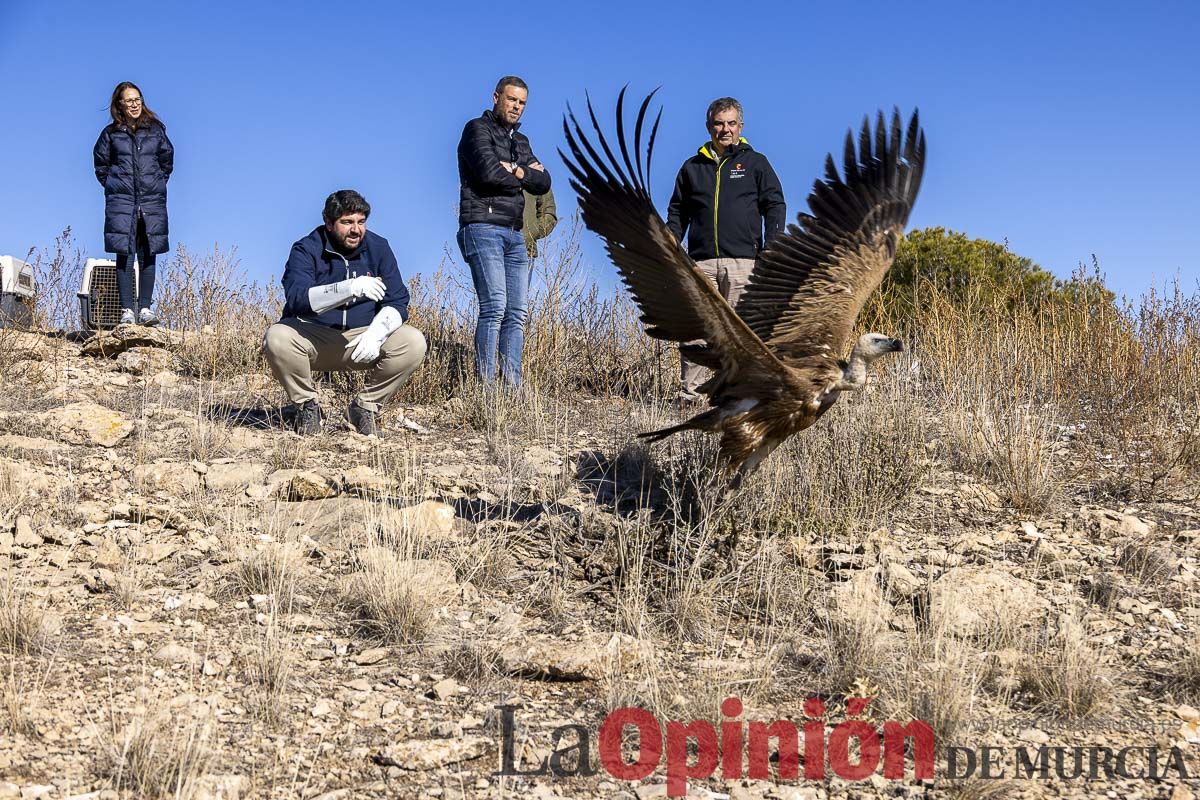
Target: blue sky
point(1065, 128)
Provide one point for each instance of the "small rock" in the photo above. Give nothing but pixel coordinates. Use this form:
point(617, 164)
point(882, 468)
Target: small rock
point(311, 486)
point(221, 787)
point(235, 476)
point(427, 754)
point(176, 654)
point(321, 708)
point(1033, 735)
point(445, 689)
point(372, 656)
point(366, 482)
point(25, 537)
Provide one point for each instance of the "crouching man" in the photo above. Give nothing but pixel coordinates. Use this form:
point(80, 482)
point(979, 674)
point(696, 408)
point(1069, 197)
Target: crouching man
point(345, 308)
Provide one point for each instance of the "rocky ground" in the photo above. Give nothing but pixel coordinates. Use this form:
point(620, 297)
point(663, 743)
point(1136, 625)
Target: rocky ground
point(197, 602)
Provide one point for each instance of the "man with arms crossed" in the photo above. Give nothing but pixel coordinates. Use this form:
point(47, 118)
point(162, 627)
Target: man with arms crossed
point(345, 308)
point(729, 202)
point(495, 166)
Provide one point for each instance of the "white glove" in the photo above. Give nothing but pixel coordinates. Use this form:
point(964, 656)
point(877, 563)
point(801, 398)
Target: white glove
point(366, 345)
point(371, 287)
point(332, 295)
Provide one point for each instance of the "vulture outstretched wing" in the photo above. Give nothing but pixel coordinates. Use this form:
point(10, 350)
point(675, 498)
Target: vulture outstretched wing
point(678, 303)
point(809, 286)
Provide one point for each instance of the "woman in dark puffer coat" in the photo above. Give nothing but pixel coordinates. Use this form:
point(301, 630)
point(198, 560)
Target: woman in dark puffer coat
point(134, 159)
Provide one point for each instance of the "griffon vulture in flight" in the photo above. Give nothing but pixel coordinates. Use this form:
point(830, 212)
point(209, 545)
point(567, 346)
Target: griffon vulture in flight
point(780, 359)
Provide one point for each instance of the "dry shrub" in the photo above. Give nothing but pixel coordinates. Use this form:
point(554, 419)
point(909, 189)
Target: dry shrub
point(273, 569)
point(1064, 676)
point(162, 755)
point(270, 666)
point(1185, 677)
point(58, 273)
point(853, 646)
point(390, 597)
point(472, 661)
point(935, 678)
point(25, 628)
point(222, 314)
point(1150, 563)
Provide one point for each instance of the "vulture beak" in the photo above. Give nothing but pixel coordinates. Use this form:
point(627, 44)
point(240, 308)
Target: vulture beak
point(897, 346)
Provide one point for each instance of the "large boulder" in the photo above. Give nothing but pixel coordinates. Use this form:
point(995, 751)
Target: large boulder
point(109, 343)
point(979, 601)
point(86, 423)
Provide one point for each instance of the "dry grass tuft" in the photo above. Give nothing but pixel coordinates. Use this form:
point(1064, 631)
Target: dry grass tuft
point(270, 666)
point(273, 569)
point(472, 661)
point(25, 628)
point(936, 679)
point(162, 755)
point(390, 597)
point(1064, 675)
point(852, 646)
point(1150, 563)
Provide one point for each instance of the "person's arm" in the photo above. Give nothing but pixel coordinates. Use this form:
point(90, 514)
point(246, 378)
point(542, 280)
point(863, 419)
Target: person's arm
point(299, 277)
point(306, 296)
point(477, 153)
point(771, 204)
point(396, 293)
point(535, 178)
point(677, 220)
point(166, 156)
point(547, 214)
point(100, 156)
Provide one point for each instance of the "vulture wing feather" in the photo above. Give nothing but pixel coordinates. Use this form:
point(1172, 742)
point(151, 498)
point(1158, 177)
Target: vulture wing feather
point(808, 287)
point(678, 303)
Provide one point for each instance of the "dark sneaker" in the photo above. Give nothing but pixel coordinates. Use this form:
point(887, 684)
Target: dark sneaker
point(147, 317)
point(308, 418)
point(127, 317)
point(363, 420)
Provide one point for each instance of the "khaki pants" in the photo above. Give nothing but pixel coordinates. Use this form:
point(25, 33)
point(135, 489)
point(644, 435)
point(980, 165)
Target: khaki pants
point(730, 276)
point(295, 349)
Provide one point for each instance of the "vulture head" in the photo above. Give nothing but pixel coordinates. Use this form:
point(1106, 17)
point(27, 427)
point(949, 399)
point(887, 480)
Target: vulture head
point(779, 359)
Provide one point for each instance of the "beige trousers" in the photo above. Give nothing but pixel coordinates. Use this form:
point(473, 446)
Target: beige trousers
point(730, 276)
point(295, 349)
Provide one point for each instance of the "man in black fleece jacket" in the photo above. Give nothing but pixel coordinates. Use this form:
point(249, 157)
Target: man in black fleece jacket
point(729, 202)
point(495, 167)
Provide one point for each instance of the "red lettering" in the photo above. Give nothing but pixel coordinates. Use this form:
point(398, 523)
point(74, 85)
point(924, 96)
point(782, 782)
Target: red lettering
point(784, 731)
point(895, 737)
point(814, 739)
point(839, 750)
point(678, 769)
point(731, 739)
point(649, 743)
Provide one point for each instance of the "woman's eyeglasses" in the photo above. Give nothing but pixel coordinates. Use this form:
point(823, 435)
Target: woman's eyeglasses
point(132, 103)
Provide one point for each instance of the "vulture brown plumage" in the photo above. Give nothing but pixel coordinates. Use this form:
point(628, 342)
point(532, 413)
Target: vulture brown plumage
point(779, 361)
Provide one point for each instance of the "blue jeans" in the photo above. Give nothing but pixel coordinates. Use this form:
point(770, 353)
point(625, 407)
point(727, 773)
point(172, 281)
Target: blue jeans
point(500, 270)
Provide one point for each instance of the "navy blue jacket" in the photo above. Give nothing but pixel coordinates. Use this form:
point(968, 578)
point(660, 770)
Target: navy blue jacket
point(315, 262)
point(487, 191)
point(724, 204)
point(133, 167)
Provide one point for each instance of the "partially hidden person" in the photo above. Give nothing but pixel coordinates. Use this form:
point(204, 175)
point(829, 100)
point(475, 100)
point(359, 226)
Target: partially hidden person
point(541, 216)
point(729, 203)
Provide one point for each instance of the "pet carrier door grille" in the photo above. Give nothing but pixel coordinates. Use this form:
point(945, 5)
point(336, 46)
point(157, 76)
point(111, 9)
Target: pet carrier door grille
point(99, 301)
